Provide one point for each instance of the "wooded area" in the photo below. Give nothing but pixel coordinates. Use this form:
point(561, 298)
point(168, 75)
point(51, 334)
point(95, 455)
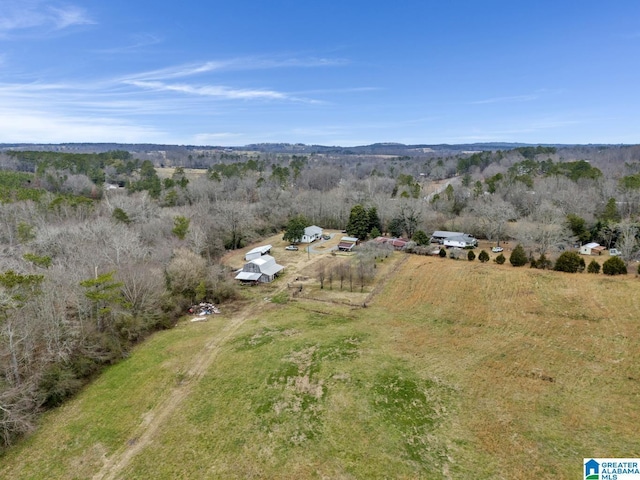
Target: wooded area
point(100, 249)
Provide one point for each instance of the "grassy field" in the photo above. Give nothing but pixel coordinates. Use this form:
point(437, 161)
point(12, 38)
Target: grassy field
point(454, 369)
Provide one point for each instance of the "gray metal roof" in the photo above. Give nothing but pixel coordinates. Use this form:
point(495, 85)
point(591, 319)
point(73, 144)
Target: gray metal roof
point(271, 269)
point(248, 276)
point(261, 249)
point(446, 234)
point(312, 230)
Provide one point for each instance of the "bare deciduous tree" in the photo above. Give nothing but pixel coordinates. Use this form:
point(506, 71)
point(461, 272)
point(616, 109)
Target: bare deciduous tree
point(493, 214)
point(627, 240)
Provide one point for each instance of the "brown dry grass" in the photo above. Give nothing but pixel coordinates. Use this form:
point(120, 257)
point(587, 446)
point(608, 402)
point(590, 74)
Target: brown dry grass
point(546, 363)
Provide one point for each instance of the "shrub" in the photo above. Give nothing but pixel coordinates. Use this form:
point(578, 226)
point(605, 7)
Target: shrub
point(569, 262)
point(518, 257)
point(594, 267)
point(442, 253)
point(483, 257)
point(614, 266)
point(420, 238)
point(471, 256)
point(500, 259)
point(543, 263)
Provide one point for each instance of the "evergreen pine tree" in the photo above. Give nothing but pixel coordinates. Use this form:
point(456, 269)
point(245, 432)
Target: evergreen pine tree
point(518, 257)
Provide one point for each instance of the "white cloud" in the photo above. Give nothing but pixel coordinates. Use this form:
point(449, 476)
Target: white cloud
point(42, 126)
point(122, 108)
point(174, 72)
point(38, 15)
point(233, 64)
point(69, 16)
point(213, 91)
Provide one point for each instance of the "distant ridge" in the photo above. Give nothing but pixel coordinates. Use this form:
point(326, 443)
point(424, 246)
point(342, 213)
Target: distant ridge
point(383, 148)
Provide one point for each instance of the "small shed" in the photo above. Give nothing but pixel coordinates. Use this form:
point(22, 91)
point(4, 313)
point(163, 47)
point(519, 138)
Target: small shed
point(347, 243)
point(257, 252)
point(311, 234)
point(592, 248)
point(263, 269)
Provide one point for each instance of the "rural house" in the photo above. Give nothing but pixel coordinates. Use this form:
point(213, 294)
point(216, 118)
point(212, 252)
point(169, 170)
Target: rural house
point(592, 249)
point(257, 252)
point(311, 234)
point(263, 270)
point(461, 241)
point(397, 243)
point(439, 236)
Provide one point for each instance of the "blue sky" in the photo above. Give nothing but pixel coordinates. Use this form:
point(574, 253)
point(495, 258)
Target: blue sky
point(345, 72)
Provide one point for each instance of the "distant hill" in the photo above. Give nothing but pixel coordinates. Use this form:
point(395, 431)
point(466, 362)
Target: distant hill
point(291, 148)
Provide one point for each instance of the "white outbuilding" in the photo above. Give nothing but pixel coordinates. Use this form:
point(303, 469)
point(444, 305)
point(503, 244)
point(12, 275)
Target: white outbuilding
point(592, 248)
point(257, 252)
point(263, 269)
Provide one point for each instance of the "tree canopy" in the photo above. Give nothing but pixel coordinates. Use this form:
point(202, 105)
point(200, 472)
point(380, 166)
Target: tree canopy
point(295, 228)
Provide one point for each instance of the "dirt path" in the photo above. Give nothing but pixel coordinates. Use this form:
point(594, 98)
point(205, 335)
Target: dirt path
point(144, 434)
point(146, 431)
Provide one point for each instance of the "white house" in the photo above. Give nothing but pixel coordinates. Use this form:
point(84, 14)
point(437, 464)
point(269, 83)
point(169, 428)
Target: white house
point(311, 234)
point(440, 235)
point(257, 252)
point(263, 269)
point(592, 248)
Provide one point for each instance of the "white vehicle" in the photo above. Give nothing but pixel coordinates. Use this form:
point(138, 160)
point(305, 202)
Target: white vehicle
point(291, 247)
point(497, 249)
point(614, 252)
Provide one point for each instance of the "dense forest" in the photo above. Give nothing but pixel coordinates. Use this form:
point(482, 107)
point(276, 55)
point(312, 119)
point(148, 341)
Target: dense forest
point(98, 249)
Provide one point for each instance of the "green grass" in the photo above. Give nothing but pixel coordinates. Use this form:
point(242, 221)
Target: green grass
point(455, 370)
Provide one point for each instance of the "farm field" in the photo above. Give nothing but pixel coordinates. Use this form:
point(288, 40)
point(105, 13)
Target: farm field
point(454, 369)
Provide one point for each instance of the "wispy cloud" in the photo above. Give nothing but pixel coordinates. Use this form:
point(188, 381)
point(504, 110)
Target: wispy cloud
point(122, 107)
point(212, 91)
point(174, 72)
point(44, 126)
point(18, 16)
point(68, 16)
point(232, 64)
point(160, 80)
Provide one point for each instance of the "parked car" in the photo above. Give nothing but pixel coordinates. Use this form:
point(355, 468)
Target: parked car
point(291, 247)
point(497, 249)
point(326, 237)
point(614, 252)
